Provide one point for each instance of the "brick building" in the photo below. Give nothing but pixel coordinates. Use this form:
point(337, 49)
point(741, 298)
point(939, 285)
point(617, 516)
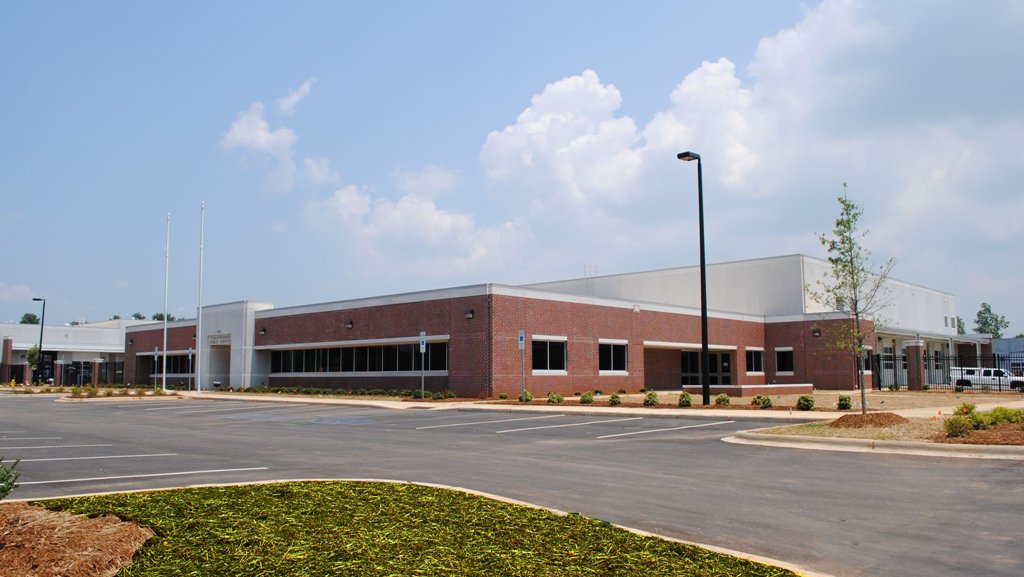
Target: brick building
point(618, 332)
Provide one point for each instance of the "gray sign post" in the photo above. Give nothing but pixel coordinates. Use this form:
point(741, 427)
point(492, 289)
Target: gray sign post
point(423, 366)
point(522, 360)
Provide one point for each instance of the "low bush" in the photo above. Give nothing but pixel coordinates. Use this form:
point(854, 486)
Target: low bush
point(526, 397)
point(555, 398)
point(965, 409)
point(438, 396)
point(76, 392)
point(503, 396)
point(614, 400)
point(621, 391)
point(805, 403)
point(844, 403)
point(8, 476)
point(597, 392)
point(722, 399)
point(586, 398)
point(764, 401)
point(651, 399)
point(685, 400)
point(958, 426)
point(1001, 415)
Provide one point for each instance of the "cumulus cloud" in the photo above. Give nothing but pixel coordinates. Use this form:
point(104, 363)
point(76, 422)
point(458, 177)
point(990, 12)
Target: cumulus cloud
point(251, 133)
point(319, 171)
point(287, 104)
point(428, 181)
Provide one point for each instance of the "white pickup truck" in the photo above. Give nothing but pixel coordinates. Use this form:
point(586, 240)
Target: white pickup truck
point(985, 377)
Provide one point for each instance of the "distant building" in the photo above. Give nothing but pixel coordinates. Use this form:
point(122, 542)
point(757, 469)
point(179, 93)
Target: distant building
point(617, 332)
point(86, 354)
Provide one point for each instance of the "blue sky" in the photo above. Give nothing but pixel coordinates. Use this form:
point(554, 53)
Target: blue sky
point(348, 150)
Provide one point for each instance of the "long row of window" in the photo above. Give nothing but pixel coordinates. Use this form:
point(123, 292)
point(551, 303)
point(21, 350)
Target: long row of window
point(365, 359)
point(176, 364)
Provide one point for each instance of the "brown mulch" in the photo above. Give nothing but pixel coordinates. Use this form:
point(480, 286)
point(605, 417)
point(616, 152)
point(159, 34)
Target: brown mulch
point(36, 542)
point(860, 421)
point(1003, 434)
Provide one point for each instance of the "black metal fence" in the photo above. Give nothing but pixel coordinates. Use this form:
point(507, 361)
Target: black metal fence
point(953, 372)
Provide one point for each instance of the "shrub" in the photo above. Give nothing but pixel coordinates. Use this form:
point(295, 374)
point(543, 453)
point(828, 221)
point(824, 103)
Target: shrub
point(965, 409)
point(586, 398)
point(643, 389)
point(1005, 415)
point(503, 396)
point(621, 391)
point(722, 399)
point(614, 400)
point(554, 397)
point(805, 403)
point(76, 392)
point(844, 403)
point(894, 387)
point(8, 476)
point(651, 399)
point(958, 426)
point(437, 395)
point(598, 392)
point(959, 388)
point(91, 391)
point(764, 401)
point(526, 397)
point(685, 400)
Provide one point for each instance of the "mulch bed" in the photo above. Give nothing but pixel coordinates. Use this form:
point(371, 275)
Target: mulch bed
point(1003, 434)
point(860, 421)
point(36, 542)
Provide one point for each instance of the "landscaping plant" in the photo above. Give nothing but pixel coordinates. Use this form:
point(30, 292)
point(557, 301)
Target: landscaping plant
point(685, 400)
point(722, 399)
point(554, 397)
point(805, 403)
point(586, 398)
point(614, 400)
point(525, 397)
point(651, 399)
point(844, 403)
point(8, 476)
point(764, 401)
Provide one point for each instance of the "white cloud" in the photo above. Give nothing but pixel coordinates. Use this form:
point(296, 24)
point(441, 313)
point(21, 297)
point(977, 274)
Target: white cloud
point(15, 293)
point(251, 132)
point(319, 172)
point(427, 181)
point(287, 104)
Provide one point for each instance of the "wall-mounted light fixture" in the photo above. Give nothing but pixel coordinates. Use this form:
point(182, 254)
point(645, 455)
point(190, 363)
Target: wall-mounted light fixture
point(349, 324)
point(816, 332)
point(193, 336)
point(263, 332)
point(131, 342)
point(469, 313)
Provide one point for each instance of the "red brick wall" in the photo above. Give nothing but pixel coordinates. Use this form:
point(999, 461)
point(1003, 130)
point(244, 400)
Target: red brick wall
point(817, 360)
point(141, 344)
point(467, 347)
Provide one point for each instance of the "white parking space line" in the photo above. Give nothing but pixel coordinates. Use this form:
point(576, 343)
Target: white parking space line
point(180, 406)
point(31, 438)
point(663, 430)
point(487, 422)
point(259, 408)
point(176, 474)
point(11, 432)
point(100, 457)
point(571, 425)
point(55, 447)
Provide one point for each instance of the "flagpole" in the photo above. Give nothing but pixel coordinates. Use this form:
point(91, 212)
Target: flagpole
point(199, 316)
point(167, 261)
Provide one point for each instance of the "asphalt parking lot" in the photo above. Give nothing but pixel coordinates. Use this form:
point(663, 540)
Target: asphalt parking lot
point(838, 513)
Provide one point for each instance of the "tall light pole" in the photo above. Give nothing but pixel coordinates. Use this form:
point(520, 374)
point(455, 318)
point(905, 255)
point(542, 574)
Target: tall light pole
point(705, 383)
point(199, 310)
point(42, 323)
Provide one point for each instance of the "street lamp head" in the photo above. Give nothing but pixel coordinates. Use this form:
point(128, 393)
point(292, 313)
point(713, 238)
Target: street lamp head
point(688, 156)
point(37, 299)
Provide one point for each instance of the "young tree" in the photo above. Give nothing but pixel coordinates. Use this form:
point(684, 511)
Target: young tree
point(32, 356)
point(961, 328)
point(138, 316)
point(989, 322)
point(8, 476)
point(160, 317)
point(29, 319)
point(853, 287)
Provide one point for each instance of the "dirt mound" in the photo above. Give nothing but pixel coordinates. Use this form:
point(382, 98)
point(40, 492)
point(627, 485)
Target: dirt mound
point(868, 420)
point(37, 542)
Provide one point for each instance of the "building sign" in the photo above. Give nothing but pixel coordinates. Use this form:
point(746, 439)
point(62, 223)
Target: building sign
point(220, 339)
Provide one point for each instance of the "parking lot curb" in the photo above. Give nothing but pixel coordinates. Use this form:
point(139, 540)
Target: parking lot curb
point(872, 446)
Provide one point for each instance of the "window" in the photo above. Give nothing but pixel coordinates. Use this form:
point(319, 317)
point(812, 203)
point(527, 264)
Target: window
point(365, 359)
point(784, 361)
point(612, 357)
point(548, 355)
point(755, 361)
point(690, 368)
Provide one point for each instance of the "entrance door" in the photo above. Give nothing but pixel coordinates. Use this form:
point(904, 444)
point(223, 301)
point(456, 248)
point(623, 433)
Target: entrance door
point(719, 368)
point(219, 367)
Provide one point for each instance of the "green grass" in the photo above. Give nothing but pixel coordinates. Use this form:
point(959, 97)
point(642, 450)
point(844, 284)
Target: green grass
point(353, 528)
